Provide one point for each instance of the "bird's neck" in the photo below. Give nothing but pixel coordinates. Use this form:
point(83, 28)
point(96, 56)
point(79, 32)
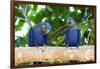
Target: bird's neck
point(73, 27)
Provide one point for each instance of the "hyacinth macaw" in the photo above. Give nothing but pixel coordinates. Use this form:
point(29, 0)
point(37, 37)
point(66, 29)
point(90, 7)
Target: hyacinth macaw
point(38, 36)
point(72, 34)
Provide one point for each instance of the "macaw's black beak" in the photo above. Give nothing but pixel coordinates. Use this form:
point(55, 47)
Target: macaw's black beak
point(70, 24)
point(44, 30)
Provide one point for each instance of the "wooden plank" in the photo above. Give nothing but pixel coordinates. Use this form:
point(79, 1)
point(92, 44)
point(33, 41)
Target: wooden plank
point(46, 54)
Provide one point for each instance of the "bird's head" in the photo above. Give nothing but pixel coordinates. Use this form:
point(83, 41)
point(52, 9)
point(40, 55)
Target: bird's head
point(71, 22)
point(45, 27)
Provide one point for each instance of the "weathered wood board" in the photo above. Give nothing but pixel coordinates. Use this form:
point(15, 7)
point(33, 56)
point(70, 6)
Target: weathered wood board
point(46, 54)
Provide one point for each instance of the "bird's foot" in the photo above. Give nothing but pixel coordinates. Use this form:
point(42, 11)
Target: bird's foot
point(44, 45)
point(77, 46)
point(67, 46)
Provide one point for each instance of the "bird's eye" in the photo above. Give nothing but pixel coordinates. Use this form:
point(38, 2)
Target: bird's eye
point(42, 27)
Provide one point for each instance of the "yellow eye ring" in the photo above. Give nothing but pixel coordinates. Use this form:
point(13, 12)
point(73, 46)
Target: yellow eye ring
point(42, 27)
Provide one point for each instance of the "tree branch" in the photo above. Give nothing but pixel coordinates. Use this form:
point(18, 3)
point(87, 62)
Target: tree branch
point(16, 17)
point(24, 12)
point(48, 54)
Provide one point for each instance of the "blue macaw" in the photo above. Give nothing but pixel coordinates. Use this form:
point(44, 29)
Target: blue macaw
point(72, 34)
point(39, 35)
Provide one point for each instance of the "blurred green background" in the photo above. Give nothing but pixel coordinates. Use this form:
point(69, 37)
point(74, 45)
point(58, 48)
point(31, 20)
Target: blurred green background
point(56, 16)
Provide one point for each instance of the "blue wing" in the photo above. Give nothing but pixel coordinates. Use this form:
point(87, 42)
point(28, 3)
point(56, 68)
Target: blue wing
point(45, 39)
point(67, 37)
point(31, 37)
point(79, 37)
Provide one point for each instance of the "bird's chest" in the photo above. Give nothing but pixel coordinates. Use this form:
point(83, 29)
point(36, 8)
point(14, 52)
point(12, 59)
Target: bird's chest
point(73, 35)
point(38, 35)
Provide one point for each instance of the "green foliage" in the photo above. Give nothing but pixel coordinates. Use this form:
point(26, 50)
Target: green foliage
point(56, 16)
